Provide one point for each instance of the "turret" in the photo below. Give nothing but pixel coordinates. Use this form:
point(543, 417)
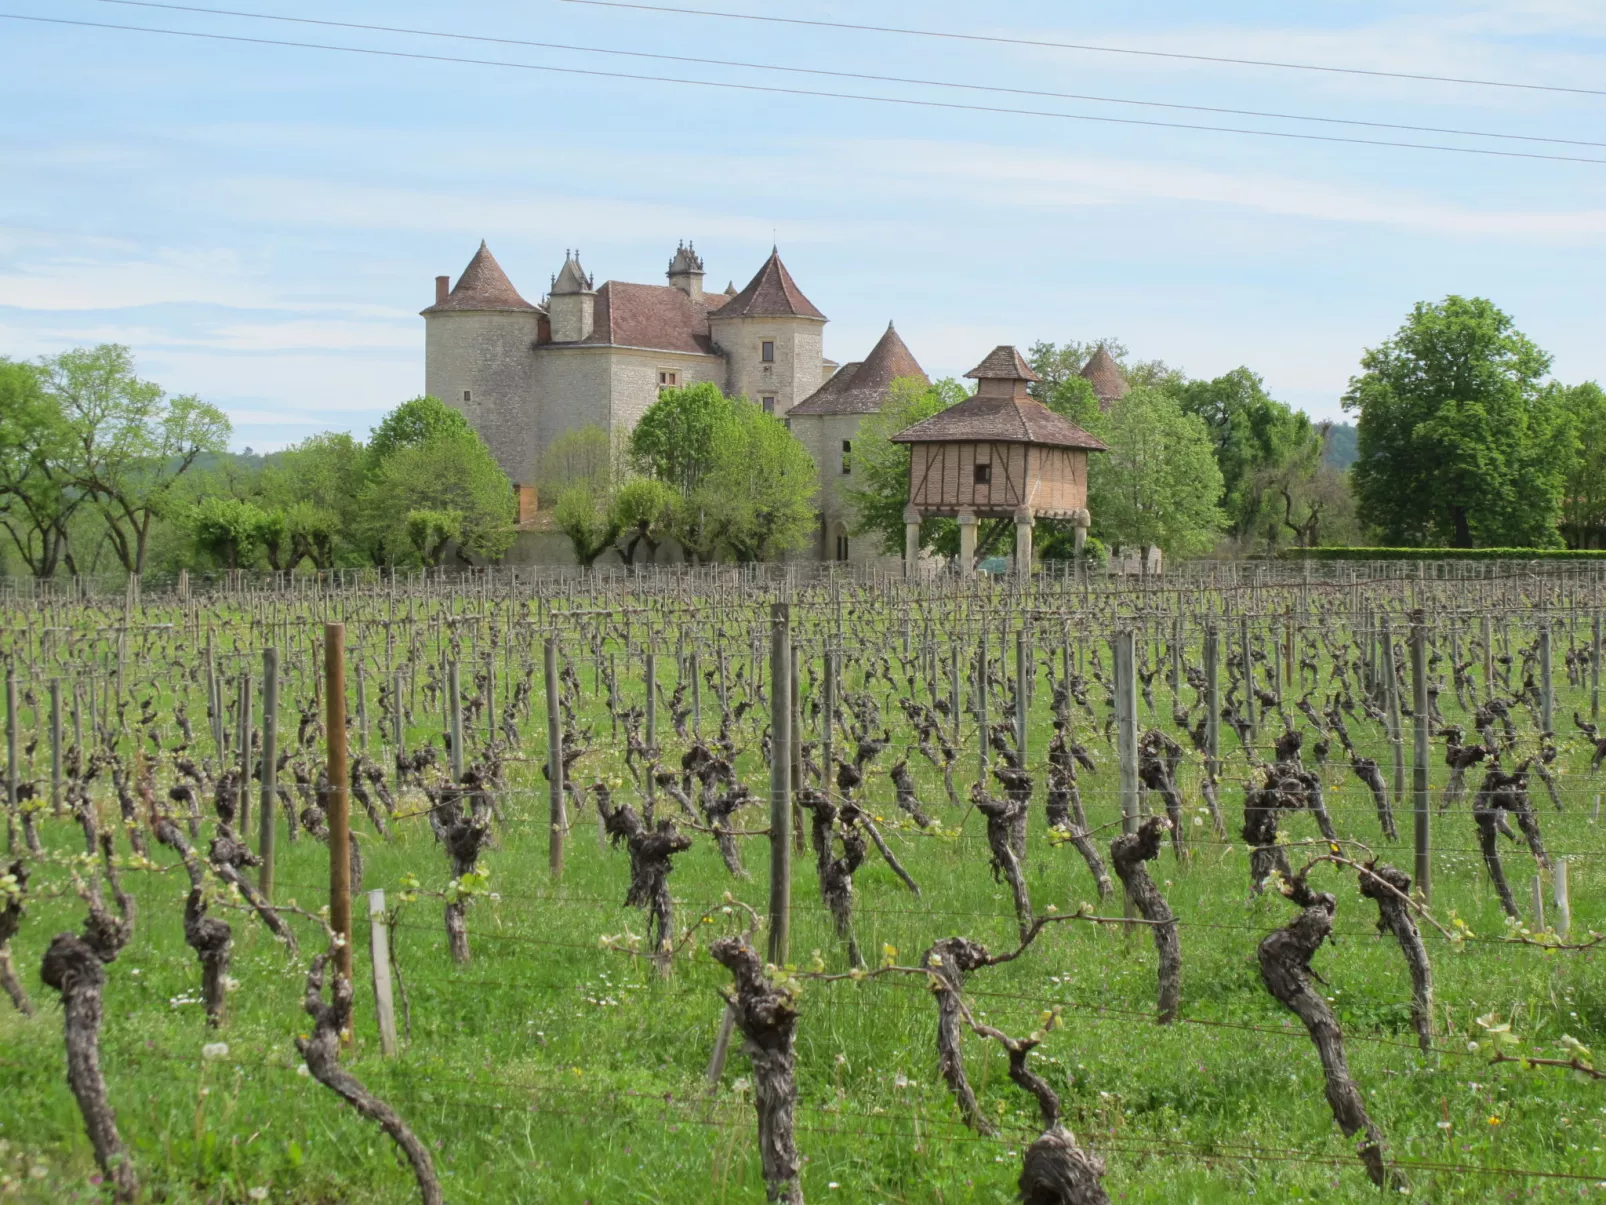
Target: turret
point(772, 337)
point(572, 304)
point(686, 271)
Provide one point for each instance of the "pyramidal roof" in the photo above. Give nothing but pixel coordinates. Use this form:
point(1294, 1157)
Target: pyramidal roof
point(483, 286)
point(771, 294)
point(1105, 375)
point(1003, 363)
point(862, 388)
point(984, 419)
point(571, 278)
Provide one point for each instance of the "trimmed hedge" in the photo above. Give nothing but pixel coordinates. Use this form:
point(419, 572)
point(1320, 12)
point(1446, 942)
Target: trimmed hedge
point(1442, 554)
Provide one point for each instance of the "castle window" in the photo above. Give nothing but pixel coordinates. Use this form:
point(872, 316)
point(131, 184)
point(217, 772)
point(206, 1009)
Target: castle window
point(769, 405)
point(841, 547)
point(847, 451)
point(668, 378)
point(984, 474)
point(766, 351)
point(468, 395)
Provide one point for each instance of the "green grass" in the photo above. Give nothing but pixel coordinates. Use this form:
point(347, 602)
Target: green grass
point(552, 1070)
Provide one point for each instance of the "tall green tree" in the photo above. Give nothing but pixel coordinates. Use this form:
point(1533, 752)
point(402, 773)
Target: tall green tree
point(880, 483)
point(412, 424)
point(1458, 440)
point(131, 442)
point(314, 488)
point(1158, 485)
point(676, 439)
point(1257, 441)
point(227, 529)
point(448, 489)
point(758, 495)
point(1583, 506)
point(37, 495)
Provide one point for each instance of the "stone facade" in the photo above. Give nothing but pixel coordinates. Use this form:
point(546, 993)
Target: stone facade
point(590, 355)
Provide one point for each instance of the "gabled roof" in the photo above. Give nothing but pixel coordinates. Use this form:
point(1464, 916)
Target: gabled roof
point(659, 317)
point(1003, 363)
point(862, 388)
point(1105, 375)
point(771, 294)
point(483, 286)
point(981, 419)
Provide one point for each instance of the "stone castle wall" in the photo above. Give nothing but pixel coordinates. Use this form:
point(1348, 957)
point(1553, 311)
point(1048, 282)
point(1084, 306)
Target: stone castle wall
point(486, 355)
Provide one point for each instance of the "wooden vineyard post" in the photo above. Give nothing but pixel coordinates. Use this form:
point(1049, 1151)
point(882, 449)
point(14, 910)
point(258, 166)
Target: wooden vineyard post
point(1212, 655)
point(981, 704)
point(55, 746)
point(1249, 676)
point(780, 782)
point(454, 717)
point(1547, 698)
point(828, 725)
point(1594, 670)
point(652, 720)
point(11, 760)
point(1391, 702)
point(399, 715)
point(954, 674)
point(1558, 889)
point(266, 828)
point(1488, 658)
point(1023, 667)
point(794, 745)
point(1126, 728)
point(379, 955)
point(339, 803)
point(1420, 753)
point(554, 742)
point(243, 746)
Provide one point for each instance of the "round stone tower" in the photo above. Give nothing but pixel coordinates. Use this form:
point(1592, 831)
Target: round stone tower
point(772, 338)
point(479, 341)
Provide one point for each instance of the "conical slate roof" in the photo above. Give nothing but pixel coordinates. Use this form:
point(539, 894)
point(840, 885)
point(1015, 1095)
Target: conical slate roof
point(1003, 363)
point(771, 294)
point(862, 388)
point(1104, 374)
point(980, 419)
point(483, 286)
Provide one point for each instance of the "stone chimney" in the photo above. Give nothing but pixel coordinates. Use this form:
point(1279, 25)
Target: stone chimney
point(572, 304)
point(443, 289)
point(686, 271)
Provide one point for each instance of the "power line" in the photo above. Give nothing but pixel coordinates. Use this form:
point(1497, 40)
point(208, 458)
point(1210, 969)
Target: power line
point(908, 102)
point(853, 75)
point(1154, 54)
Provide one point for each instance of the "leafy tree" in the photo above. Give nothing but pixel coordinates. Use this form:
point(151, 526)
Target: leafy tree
point(37, 495)
point(131, 442)
point(1583, 507)
point(449, 474)
point(411, 425)
point(880, 484)
point(675, 441)
point(1304, 496)
point(314, 487)
point(757, 497)
point(1257, 441)
point(1158, 485)
point(644, 510)
point(228, 529)
point(1458, 443)
point(588, 520)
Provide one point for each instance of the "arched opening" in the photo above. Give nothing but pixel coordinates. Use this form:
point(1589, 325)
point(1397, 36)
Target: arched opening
point(839, 542)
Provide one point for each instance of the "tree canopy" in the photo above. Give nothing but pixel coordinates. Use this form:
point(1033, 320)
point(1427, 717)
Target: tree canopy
point(880, 484)
point(1158, 485)
point(1458, 441)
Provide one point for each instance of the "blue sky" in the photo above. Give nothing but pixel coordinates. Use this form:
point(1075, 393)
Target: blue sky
point(262, 223)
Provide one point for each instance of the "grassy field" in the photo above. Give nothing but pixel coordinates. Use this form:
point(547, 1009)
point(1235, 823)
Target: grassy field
point(551, 1069)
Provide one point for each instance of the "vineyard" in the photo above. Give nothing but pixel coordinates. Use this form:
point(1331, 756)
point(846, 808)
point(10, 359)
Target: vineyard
point(749, 883)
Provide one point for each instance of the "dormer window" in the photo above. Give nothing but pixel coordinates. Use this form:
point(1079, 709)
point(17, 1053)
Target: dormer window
point(668, 378)
point(766, 351)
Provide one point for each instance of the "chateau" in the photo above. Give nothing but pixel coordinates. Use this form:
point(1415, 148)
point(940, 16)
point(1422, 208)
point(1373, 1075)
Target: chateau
point(590, 355)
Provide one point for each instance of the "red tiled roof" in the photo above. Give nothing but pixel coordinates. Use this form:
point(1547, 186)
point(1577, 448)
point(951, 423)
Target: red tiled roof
point(1003, 363)
point(1105, 375)
point(483, 286)
point(771, 294)
point(980, 419)
point(862, 388)
point(660, 317)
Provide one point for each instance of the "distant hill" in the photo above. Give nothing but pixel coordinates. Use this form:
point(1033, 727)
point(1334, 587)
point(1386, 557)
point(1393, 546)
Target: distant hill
point(1340, 451)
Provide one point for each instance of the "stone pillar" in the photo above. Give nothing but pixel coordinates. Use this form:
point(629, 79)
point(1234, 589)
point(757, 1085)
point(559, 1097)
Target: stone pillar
point(911, 540)
point(967, 541)
point(1081, 521)
point(1024, 520)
